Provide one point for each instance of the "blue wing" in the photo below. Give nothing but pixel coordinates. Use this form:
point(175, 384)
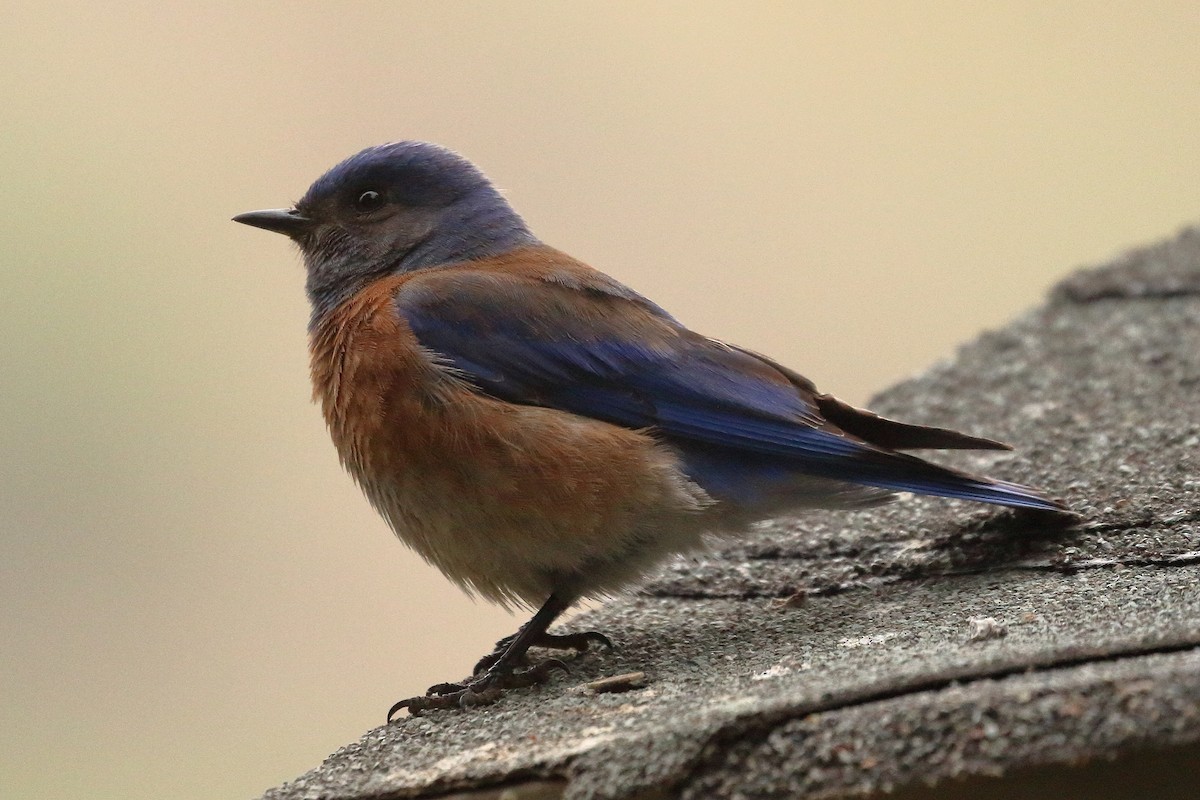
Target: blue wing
point(593, 347)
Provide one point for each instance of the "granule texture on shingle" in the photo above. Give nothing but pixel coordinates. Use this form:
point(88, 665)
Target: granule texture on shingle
point(840, 655)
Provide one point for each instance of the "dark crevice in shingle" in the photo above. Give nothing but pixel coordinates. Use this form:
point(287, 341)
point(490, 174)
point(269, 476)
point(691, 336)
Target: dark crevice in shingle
point(972, 549)
point(758, 727)
point(517, 788)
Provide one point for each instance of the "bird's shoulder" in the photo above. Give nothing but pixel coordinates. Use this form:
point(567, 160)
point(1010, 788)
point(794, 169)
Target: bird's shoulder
point(535, 282)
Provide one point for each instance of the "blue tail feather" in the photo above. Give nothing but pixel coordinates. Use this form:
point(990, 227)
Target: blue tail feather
point(753, 479)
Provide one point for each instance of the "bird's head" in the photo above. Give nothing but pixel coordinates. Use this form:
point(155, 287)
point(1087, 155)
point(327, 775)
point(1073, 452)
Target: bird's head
point(393, 208)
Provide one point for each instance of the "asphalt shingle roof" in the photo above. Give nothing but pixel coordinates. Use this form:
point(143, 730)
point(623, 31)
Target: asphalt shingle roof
point(844, 654)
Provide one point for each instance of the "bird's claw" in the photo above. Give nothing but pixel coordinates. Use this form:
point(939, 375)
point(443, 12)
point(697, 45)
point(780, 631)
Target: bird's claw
point(482, 690)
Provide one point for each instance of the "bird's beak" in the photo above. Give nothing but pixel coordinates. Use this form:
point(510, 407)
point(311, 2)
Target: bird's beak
point(287, 221)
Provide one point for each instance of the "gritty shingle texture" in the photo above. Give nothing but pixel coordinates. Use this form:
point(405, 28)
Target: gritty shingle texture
point(845, 654)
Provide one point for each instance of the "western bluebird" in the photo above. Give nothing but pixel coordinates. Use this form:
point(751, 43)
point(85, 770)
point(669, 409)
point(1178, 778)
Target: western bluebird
point(539, 431)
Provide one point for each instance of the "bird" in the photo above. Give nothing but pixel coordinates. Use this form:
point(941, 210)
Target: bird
point(539, 431)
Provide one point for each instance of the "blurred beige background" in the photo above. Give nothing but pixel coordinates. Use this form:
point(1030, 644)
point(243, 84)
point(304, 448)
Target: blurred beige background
point(194, 601)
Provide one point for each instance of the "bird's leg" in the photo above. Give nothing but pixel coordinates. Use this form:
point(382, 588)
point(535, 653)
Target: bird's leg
point(501, 673)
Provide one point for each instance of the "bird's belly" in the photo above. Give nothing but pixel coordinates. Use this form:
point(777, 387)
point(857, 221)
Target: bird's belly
point(517, 502)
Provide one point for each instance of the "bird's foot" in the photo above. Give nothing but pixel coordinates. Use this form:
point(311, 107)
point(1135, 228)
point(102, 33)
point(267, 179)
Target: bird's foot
point(579, 642)
point(480, 690)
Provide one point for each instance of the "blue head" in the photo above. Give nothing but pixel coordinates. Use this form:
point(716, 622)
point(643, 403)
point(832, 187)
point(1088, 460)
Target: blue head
point(393, 208)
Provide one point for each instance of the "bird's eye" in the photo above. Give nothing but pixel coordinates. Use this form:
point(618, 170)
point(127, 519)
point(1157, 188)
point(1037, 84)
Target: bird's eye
point(369, 200)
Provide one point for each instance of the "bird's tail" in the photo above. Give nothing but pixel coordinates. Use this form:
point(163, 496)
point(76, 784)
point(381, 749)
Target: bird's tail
point(756, 480)
point(900, 472)
point(887, 469)
point(963, 486)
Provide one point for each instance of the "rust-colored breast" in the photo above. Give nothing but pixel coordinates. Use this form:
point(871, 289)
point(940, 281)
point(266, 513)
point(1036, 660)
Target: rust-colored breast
point(367, 369)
